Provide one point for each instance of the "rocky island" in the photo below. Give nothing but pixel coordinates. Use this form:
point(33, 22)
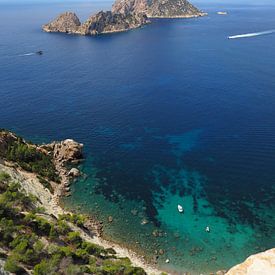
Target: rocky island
point(157, 8)
point(100, 23)
point(125, 15)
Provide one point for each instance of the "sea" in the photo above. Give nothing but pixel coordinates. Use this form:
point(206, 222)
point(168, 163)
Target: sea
point(174, 113)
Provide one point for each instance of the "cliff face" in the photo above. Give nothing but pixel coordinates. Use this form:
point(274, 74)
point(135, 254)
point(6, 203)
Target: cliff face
point(66, 22)
point(102, 22)
point(107, 22)
point(128, 6)
point(258, 264)
point(157, 8)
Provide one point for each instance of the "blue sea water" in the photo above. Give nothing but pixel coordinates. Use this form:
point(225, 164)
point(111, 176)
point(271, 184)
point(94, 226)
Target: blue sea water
point(172, 113)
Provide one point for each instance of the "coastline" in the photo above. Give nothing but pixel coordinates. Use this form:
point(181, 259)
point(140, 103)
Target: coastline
point(65, 155)
point(179, 16)
point(50, 202)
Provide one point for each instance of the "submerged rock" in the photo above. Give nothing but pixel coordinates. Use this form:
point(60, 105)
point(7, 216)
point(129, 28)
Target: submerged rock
point(158, 8)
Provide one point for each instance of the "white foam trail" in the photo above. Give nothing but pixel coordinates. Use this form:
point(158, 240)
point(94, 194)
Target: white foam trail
point(26, 54)
point(250, 34)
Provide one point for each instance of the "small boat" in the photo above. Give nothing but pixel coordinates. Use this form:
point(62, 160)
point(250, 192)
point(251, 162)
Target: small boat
point(222, 13)
point(39, 52)
point(207, 229)
point(180, 208)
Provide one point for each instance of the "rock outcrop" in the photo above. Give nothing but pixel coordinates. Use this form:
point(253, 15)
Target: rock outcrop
point(67, 22)
point(108, 22)
point(100, 23)
point(67, 150)
point(158, 8)
point(56, 158)
point(64, 154)
point(258, 264)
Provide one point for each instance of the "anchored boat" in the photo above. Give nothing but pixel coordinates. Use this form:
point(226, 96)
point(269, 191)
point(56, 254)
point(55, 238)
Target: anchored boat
point(180, 208)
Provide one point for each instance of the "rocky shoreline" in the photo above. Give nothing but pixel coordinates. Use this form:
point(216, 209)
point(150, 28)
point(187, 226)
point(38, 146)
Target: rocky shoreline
point(65, 156)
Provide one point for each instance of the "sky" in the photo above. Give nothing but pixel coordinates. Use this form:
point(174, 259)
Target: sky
point(204, 2)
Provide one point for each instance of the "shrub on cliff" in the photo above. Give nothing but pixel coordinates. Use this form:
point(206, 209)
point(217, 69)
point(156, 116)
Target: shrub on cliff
point(30, 159)
point(12, 266)
point(44, 245)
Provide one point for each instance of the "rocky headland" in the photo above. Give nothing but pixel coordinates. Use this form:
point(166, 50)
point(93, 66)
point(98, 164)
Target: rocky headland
point(44, 173)
point(54, 163)
point(125, 15)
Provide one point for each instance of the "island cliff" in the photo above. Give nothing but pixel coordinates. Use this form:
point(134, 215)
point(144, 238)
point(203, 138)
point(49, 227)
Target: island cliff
point(157, 8)
point(100, 23)
point(125, 15)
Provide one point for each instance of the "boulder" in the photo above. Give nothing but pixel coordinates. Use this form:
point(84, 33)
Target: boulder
point(258, 264)
point(74, 172)
point(67, 151)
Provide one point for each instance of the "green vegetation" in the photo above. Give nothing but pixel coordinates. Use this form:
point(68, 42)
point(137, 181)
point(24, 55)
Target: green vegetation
point(36, 241)
point(30, 159)
point(76, 219)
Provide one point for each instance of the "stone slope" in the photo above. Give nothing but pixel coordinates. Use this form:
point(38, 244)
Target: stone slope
point(107, 22)
point(67, 22)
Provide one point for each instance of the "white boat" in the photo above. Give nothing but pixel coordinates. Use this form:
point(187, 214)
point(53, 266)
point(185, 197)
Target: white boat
point(180, 208)
point(207, 229)
point(222, 13)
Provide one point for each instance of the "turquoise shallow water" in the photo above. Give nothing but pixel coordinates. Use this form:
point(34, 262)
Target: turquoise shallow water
point(172, 113)
point(181, 236)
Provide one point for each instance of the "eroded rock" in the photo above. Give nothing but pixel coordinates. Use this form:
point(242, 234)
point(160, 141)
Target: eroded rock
point(261, 263)
point(157, 8)
point(67, 22)
point(99, 23)
point(74, 172)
